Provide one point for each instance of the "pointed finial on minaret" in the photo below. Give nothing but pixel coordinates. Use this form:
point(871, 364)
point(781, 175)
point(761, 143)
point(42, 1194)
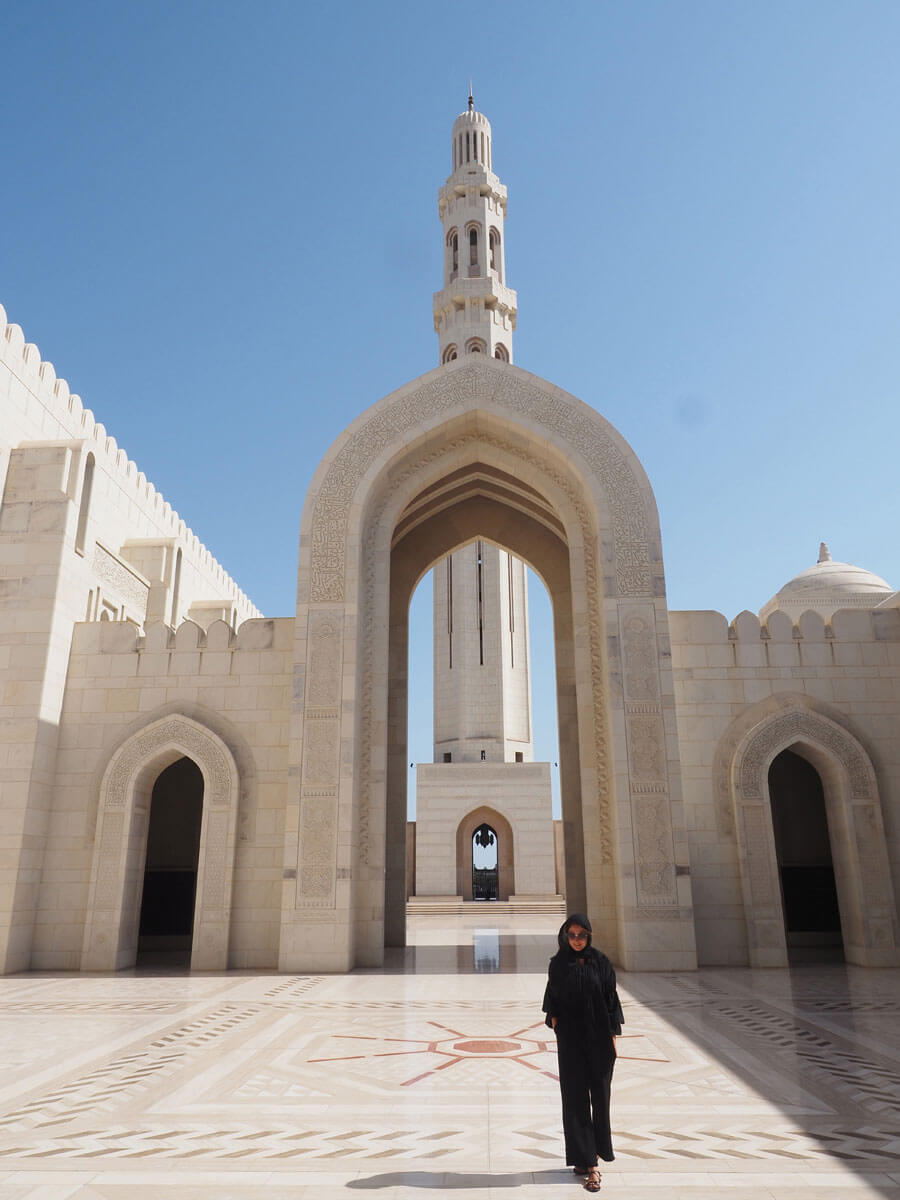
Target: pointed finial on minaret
point(471, 98)
point(824, 553)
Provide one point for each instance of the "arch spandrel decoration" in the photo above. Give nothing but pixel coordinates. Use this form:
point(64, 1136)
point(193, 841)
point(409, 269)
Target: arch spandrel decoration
point(110, 938)
point(504, 389)
point(376, 468)
point(852, 802)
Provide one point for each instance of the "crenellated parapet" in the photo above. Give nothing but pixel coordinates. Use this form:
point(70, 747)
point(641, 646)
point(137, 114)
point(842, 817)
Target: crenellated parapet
point(43, 410)
point(710, 628)
point(117, 637)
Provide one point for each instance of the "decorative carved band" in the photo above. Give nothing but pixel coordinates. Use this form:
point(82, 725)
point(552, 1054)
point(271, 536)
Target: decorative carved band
point(797, 725)
point(560, 418)
point(124, 582)
point(178, 732)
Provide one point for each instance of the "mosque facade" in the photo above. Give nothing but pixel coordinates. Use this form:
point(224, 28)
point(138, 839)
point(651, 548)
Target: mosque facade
point(180, 774)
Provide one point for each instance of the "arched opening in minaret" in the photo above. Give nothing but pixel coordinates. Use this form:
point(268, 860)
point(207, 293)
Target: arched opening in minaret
point(494, 243)
point(453, 254)
point(812, 919)
point(473, 249)
point(170, 866)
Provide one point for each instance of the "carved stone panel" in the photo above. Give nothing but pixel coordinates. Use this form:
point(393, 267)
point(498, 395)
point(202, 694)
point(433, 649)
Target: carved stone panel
point(756, 852)
point(323, 687)
point(106, 893)
point(645, 732)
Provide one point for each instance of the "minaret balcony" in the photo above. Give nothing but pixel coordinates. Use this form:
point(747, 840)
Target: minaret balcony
point(458, 187)
point(460, 291)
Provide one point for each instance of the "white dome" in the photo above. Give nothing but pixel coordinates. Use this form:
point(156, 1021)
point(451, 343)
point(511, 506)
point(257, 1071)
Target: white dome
point(827, 587)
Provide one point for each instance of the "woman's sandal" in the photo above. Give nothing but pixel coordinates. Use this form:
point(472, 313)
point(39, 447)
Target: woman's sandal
point(592, 1183)
point(582, 1171)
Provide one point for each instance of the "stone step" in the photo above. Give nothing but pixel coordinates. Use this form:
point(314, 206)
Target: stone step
point(456, 906)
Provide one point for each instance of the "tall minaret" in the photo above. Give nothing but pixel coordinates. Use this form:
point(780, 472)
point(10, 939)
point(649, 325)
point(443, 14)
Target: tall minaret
point(474, 312)
point(482, 690)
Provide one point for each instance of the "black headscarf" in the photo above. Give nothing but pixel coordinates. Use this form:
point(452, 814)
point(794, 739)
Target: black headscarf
point(581, 988)
point(574, 919)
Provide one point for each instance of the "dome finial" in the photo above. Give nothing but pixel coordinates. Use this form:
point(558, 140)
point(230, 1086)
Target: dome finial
point(471, 98)
point(824, 553)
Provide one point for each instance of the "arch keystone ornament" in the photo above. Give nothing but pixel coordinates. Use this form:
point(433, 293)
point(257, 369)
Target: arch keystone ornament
point(114, 900)
point(855, 828)
point(481, 449)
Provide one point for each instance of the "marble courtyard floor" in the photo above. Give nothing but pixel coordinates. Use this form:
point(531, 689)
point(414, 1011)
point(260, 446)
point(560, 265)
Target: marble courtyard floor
point(436, 1074)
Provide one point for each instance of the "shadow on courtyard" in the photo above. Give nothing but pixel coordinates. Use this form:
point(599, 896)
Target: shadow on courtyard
point(449, 1181)
point(814, 1041)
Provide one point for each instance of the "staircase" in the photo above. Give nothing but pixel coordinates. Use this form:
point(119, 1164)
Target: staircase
point(418, 906)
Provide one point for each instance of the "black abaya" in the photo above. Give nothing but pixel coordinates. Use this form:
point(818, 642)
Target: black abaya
point(581, 995)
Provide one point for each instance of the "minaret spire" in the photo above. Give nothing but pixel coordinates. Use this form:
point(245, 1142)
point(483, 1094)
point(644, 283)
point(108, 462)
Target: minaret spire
point(474, 312)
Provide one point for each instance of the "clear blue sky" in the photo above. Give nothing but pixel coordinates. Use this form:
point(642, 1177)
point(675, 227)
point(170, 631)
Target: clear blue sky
point(220, 224)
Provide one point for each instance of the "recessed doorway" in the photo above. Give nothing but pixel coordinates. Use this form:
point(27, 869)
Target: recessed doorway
point(812, 919)
point(485, 864)
point(170, 868)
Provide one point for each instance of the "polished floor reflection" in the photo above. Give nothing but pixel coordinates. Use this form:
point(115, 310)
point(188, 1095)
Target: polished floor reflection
point(436, 1074)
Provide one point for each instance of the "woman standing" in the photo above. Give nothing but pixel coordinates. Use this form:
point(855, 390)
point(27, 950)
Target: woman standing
point(583, 1009)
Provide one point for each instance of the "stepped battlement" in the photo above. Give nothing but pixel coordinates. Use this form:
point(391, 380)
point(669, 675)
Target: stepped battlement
point(49, 411)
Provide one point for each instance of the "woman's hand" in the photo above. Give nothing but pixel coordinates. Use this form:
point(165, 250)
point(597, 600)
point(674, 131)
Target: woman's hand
point(553, 1022)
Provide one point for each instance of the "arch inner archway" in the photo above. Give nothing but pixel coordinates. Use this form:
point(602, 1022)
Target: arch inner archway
point(472, 504)
point(169, 891)
point(812, 919)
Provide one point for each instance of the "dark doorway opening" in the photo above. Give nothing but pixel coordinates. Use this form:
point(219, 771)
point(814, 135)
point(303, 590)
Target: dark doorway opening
point(812, 918)
point(485, 864)
point(170, 870)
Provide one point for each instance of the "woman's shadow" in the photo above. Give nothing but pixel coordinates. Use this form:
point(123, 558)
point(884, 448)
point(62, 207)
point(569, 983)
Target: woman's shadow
point(449, 1181)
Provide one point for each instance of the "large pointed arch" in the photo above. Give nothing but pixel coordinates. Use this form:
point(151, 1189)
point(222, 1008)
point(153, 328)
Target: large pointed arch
point(479, 448)
point(853, 808)
point(110, 937)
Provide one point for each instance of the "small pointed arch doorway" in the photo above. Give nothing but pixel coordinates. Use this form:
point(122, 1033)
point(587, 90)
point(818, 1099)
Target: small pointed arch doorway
point(168, 894)
point(848, 817)
point(126, 798)
point(495, 882)
point(485, 864)
point(812, 918)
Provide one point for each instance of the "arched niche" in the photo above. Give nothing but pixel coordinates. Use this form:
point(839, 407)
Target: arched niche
point(506, 866)
point(482, 449)
point(111, 929)
point(856, 832)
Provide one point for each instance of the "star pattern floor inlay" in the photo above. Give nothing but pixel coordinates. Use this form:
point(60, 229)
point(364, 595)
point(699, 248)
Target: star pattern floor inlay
point(436, 1073)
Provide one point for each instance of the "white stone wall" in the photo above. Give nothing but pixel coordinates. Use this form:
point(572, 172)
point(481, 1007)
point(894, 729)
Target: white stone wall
point(848, 670)
point(64, 557)
point(238, 685)
point(520, 792)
